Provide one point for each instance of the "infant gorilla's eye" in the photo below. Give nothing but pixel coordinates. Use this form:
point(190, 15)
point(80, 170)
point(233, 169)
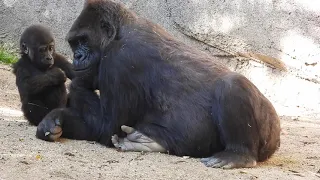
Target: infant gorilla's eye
point(42, 49)
point(50, 48)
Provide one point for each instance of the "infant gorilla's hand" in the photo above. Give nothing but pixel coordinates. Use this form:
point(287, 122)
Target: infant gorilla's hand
point(49, 128)
point(58, 76)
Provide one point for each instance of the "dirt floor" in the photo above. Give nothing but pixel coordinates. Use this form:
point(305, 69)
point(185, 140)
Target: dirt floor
point(23, 156)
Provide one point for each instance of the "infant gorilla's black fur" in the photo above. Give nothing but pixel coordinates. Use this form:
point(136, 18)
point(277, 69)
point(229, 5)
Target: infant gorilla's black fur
point(176, 98)
point(40, 74)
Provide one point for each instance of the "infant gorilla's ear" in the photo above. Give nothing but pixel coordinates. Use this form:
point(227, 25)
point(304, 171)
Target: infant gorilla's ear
point(24, 49)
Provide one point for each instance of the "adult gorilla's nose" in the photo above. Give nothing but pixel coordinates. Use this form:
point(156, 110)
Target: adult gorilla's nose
point(79, 57)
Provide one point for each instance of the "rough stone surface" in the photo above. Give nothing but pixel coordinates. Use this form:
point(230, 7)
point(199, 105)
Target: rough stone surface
point(288, 30)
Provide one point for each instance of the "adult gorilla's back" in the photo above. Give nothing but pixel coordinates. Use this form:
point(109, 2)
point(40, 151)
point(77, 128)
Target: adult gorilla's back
point(171, 97)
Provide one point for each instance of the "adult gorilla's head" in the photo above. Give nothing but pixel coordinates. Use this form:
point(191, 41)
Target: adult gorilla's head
point(95, 28)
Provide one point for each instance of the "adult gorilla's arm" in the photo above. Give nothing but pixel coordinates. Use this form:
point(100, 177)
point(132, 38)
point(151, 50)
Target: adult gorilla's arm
point(78, 120)
point(63, 64)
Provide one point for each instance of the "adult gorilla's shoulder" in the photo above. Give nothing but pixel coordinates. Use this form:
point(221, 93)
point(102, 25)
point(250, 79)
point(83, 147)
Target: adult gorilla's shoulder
point(158, 94)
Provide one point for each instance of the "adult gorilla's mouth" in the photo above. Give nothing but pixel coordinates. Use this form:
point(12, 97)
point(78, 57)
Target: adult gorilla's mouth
point(82, 66)
point(80, 69)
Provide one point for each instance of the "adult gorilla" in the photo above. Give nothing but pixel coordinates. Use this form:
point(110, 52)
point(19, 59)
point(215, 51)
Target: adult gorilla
point(170, 97)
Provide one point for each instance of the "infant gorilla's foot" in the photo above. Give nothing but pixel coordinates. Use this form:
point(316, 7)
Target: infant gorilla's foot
point(229, 160)
point(135, 141)
point(49, 128)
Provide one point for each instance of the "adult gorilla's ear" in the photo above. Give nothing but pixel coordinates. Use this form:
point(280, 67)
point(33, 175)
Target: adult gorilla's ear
point(108, 28)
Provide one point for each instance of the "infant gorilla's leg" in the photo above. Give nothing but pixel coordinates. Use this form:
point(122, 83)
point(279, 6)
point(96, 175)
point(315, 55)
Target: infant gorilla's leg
point(135, 141)
point(35, 111)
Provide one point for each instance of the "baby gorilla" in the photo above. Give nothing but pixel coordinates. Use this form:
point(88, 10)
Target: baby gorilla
point(40, 74)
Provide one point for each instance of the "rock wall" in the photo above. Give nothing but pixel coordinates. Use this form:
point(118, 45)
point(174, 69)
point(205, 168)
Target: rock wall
point(286, 30)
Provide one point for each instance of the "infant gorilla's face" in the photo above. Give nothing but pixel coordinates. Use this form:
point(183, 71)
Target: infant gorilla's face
point(44, 54)
point(38, 44)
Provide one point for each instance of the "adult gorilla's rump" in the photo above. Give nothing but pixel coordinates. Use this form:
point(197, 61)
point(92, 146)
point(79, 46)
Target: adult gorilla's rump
point(166, 96)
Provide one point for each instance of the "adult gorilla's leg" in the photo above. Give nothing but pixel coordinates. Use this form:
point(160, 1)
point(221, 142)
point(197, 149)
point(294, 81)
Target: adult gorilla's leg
point(80, 120)
point(234, 112)
point(136, 141)
point(174, 132)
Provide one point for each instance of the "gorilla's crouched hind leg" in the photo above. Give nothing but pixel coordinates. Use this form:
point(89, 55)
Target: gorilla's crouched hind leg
point(247, 123)
point(135, 141)
point(229, 160)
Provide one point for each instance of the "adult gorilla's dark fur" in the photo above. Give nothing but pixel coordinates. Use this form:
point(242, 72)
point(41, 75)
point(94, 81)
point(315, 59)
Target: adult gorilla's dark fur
point(40, 74)
point(176, 98)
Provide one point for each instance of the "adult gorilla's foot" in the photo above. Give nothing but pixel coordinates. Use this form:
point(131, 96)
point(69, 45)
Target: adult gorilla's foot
point(135, 141)
point(229, 160)
point(49, 129)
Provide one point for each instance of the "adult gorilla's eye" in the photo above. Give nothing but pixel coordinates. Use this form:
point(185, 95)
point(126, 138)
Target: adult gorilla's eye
point(72, 43)
point(77, 42)
point(82, 41)
point(84, 46)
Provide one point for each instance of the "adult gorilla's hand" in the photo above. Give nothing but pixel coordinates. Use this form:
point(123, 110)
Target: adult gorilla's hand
point(63, 122)
point(87, 81)
point(50, 128)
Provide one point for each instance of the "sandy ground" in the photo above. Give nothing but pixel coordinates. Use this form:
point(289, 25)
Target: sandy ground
point(23, 156)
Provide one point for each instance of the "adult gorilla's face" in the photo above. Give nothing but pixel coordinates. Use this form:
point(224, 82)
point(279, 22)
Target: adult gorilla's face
point(89, 36)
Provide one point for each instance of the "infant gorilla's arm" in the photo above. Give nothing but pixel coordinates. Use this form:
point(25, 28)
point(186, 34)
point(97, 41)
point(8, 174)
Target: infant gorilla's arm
point(37, 83)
